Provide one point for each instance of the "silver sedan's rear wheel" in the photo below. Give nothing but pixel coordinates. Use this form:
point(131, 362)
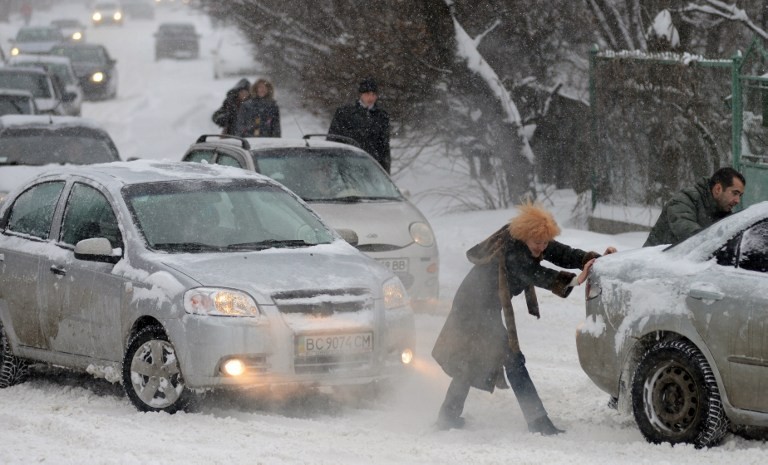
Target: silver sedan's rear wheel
point(675, 397)
point(13, 370)
point(152, 378)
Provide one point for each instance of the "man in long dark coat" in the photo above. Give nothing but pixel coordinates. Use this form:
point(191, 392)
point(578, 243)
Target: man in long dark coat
point(366, 123)
point(474, 348)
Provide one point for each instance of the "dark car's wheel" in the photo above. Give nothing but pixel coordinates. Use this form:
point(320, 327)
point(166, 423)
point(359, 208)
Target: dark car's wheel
point(675, 397)
point(13, 370)
point(152, 378)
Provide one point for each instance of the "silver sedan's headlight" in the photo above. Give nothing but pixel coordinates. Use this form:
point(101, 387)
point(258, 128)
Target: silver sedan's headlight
point(394, 293)
point(422, 234)
point(219, 302)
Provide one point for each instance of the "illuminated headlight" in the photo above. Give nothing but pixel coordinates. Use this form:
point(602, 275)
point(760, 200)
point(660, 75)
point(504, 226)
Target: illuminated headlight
point(15, 51)
point(219, 302)
point(97, 76)
point(96, 16)
point(394, 294)
point(406, 356)
point(233, 367)
point(422, 234)
point(77, 36)
point(118, 16)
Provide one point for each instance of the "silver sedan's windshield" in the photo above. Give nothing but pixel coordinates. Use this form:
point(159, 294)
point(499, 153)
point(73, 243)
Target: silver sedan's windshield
point(208, 216)
point(327, 175)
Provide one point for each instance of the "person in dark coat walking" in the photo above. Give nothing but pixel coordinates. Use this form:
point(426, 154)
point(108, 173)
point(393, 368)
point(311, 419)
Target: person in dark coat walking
point(259, 116)
point(226, 115)
point(474, 347)
point(693, 209)
point(365, 122)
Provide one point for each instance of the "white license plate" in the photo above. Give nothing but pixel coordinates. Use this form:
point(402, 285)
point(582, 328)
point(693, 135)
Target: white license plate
point(308, 345)
point(395, 265)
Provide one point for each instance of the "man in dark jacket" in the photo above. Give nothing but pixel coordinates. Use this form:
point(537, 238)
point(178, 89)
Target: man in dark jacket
point(366, 123)
point(226, 115)
point(474, 347)
point(693, 209)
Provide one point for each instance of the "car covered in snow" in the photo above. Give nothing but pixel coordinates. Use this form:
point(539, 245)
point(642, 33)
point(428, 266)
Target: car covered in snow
point(30, 144)
point(178, 278)
point(177, 40)
point(678, 335)
point(94, 67)
point(351, 192)
point(36, 39)
point(47, 91)
point(60, 68)
point(105, 13)
point(72, 29)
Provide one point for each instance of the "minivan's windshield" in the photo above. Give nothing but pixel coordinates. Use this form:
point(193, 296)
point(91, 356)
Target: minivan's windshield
point(327, 175)
point(200, 216)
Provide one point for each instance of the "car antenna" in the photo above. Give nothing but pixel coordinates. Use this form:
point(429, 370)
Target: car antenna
point(301, 131)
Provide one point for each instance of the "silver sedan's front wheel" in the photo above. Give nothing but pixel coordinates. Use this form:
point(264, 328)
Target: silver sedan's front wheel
point(152, 378)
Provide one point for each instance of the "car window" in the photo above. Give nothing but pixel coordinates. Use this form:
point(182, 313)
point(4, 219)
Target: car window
point(753, 253)
point(37, 84)
point(228, 160)
point(32, 211)
point(81, 54)
point(41, 147)
point(15, 105)
point(88, 214)
point(38, 35)
point(201, 155)
point(326, 174)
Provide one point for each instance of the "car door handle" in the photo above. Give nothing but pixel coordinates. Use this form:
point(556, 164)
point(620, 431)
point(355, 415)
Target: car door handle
point(706, 294)
point(58, 270)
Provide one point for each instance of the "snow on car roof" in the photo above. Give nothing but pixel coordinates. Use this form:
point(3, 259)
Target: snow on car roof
point(258, 143)
point(33, 58)
point(15, 92)
point(46, 121)
point(141, 171)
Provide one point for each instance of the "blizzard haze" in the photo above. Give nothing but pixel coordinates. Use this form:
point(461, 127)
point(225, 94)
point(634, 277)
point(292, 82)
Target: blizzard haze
point(62, 418)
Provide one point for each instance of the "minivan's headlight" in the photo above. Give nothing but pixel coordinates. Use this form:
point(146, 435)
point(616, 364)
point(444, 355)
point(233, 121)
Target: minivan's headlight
point(422, 234)
point(219, 302)
point(394, 292)
point(96, 16)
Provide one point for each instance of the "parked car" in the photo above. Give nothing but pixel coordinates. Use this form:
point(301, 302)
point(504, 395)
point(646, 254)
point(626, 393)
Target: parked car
point(17, 102)
point(678, 334)
point(72, 29)
point(45, 89)
point(61, 69)
point(107, 13)
point(175, 278)
point(94, 67)
point(348, 189)
point(177, 40)
point(139, 9)
point(35, 39)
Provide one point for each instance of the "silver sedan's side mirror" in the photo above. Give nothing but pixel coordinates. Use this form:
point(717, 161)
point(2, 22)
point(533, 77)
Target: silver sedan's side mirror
point(97, 249)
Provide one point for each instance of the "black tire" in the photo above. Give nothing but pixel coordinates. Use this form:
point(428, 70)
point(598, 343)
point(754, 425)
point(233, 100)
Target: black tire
point(675, 398)
point(152, 378)
point(13, 370)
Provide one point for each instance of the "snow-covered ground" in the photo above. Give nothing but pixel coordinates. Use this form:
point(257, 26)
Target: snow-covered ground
point(59, 418)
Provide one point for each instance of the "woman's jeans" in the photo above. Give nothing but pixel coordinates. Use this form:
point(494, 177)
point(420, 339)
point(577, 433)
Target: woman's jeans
point(519, 380)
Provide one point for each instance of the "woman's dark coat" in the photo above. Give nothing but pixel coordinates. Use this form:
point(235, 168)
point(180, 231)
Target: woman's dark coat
point(226, 115)
point(473, 341)
point(258, 117)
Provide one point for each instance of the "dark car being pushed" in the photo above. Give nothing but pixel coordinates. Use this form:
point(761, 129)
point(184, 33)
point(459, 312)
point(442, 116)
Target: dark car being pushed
point(94, 68)
point(177, 40)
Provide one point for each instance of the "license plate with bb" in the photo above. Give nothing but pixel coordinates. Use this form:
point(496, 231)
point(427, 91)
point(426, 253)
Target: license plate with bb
point(309, 345)
point(395, 265)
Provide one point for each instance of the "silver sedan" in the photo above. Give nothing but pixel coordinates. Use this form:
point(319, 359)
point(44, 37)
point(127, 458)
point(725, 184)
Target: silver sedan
point(174, 278)
point(679, 335)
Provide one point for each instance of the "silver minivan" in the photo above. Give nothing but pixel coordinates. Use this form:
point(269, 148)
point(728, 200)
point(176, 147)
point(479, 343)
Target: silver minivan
point(176, 278)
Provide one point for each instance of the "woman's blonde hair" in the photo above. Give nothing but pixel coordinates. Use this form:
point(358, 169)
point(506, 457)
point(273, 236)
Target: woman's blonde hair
point(267, 84)
point(533, 223)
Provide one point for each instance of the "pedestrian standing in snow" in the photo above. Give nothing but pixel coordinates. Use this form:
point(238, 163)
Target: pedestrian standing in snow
point(259, 116)
point(693, 209)
point(366, 123)
point(226, 115)
point(478, 344)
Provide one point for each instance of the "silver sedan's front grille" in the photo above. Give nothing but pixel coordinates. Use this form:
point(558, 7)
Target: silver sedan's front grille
point(323, 302)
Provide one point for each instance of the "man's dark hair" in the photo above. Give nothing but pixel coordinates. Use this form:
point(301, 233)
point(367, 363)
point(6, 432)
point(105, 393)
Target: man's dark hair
point(724, 177)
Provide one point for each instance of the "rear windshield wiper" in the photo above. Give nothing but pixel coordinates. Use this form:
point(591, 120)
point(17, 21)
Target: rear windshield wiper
point(269, 243)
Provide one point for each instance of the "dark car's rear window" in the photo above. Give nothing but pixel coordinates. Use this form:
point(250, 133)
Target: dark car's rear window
point(35, 146)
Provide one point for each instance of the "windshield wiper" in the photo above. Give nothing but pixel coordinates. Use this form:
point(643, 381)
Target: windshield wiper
point(269, 243)
point(187, 247)
point(350, 199)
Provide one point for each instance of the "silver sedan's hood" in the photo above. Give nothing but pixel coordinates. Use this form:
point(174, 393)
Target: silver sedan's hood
point(263, 273)
point(373, 222)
